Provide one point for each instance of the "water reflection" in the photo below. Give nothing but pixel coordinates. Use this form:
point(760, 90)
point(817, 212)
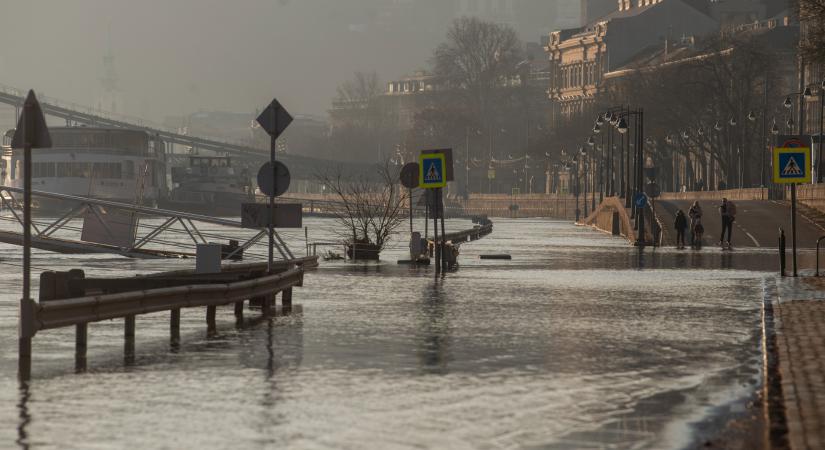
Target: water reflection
point(23, 414)
point(434, 329)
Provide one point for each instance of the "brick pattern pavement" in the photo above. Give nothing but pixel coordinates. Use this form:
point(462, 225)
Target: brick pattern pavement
point(800, 338)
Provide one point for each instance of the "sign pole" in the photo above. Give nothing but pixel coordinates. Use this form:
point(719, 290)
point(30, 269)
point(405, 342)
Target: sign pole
point(436, 246)
point(271, 211)
point(409, 197)
point(32, 132)
point(793, 225)
point(443, 233)
point(25, 348)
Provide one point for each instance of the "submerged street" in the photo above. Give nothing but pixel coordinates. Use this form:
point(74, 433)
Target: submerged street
point(579, 341)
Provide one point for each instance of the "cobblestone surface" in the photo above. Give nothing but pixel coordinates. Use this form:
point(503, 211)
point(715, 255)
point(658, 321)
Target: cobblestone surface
point(800, 333)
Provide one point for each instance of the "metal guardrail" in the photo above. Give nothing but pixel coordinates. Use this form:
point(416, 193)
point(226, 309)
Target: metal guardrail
point(74, 311)
point(818, 241)
point(64, 302)
point(472, 234)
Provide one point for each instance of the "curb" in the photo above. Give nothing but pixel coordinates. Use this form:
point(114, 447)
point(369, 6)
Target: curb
point(773, 398)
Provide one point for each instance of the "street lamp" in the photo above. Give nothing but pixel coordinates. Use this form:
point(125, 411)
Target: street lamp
point(821, 94)
point(788, 104)
point(583, 155)
point(621, 125)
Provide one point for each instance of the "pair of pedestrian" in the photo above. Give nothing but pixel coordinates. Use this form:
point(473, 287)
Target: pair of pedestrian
point(696, 227)
point(727, 212)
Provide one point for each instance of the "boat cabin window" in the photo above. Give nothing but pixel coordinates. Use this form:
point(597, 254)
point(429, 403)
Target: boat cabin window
point(129, 169)
point(79, 170)
point(43, 170)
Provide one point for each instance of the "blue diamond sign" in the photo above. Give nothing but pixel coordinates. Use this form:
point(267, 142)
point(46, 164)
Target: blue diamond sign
point(432, 170)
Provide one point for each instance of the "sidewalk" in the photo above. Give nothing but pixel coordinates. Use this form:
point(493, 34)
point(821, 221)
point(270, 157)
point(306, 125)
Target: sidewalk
point(799, 325)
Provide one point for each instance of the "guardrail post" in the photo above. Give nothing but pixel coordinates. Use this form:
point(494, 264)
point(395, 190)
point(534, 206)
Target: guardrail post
point(81, 337)
point(266, 305)
point(818, 241)
point(239, 309)
point(210, 317)
point(286, 300)
point(129, 337)
point(174, 326)
point(782, 252)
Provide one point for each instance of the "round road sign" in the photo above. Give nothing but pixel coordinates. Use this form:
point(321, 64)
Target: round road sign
point(652, 190)
point(273, 182)
point(409, 175)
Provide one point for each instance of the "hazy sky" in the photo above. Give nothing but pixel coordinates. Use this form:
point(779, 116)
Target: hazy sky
point(178, 56)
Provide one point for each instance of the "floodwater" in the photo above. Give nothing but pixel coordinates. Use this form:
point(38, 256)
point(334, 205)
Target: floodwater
point(578, 342)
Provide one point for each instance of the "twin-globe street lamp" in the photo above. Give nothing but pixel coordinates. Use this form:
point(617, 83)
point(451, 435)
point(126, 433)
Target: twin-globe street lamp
point(788, 104)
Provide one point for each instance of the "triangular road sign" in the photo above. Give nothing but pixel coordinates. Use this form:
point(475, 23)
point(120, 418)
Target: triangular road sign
point(791, 168)
point(432, 173)
point(37, 134)
point(274, 119)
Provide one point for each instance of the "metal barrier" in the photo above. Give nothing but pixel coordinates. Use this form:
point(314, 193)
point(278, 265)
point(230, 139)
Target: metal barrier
point(782, 252)
point(74, 311)
point(818, 241)
point(65, 302)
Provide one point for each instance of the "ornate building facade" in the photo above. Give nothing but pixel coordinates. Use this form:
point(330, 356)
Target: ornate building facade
point(580, 57)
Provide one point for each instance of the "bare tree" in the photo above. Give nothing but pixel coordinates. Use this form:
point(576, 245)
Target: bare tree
point(370, 207)
point(812, 17)
point(478, 58)
point(364, 87)
point(689, 103)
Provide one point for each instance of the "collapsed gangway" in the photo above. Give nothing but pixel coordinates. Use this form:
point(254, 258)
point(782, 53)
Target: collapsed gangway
point(129, 230)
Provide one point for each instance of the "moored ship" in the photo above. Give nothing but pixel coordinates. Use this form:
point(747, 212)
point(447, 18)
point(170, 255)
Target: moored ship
point(209, 185)
point(114, 164)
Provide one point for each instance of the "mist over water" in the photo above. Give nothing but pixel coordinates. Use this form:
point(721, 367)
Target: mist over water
point(576, 342)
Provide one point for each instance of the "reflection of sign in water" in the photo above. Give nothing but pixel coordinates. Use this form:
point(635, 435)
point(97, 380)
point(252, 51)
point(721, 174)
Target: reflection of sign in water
point(431, 171)
point(792, 165)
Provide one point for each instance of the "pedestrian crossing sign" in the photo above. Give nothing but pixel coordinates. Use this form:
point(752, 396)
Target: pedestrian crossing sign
point(791, 165)
point(431, 170)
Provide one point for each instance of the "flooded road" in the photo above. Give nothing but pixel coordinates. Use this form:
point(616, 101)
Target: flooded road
point(578, 342)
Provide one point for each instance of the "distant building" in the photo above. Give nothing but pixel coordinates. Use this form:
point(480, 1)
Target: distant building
point(580, 56)
point(593, 10)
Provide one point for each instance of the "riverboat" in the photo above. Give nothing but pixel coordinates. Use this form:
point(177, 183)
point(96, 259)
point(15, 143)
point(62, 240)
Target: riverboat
point(209, 185)
point(115, 164)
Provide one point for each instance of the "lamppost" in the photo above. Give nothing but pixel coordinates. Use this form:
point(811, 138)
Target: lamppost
point(788, 104)
point(752, 119)
point(597, 129)
point(821, 94)
point(583, 167)
point(593, 169)
point(732, 123)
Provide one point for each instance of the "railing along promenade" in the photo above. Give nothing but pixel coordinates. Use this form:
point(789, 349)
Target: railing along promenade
point(71, 299)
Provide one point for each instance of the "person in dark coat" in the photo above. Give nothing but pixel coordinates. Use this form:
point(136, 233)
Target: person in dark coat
point(680, 224)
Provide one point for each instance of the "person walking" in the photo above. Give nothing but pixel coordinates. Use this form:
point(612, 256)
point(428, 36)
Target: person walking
point(695, 214)
point(681, 225)
point(727, 211)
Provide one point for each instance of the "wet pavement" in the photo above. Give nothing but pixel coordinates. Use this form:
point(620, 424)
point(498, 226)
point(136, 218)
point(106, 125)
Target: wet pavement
point(799, 306)
point(579, 342)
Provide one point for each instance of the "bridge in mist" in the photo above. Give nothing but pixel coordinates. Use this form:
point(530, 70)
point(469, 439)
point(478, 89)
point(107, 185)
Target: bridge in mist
point(301, 167)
